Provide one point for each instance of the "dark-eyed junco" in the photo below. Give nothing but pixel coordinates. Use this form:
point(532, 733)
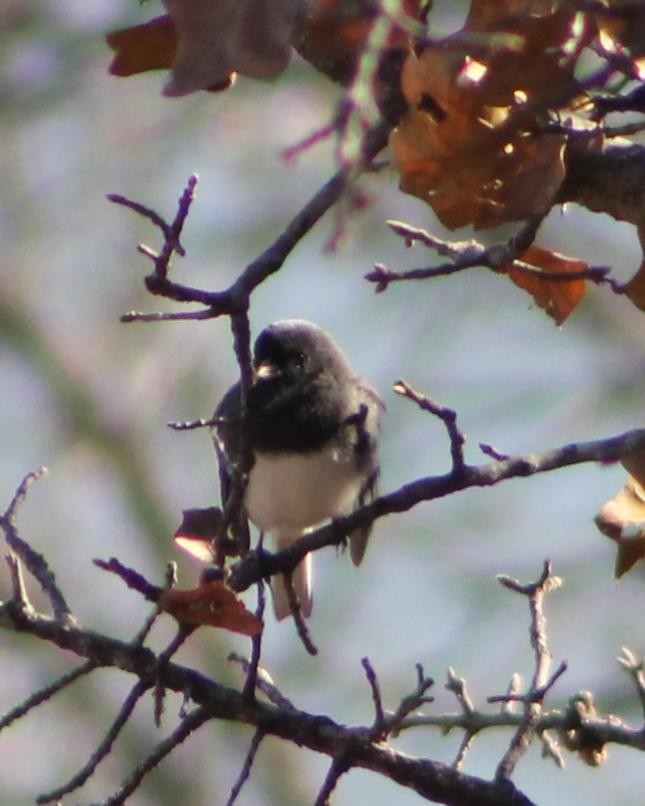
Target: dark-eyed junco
point(312, 425)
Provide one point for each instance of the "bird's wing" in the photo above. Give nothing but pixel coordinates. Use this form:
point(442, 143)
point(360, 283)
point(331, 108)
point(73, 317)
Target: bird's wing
point(358, 539)
point(367, 454)
point(226, 437)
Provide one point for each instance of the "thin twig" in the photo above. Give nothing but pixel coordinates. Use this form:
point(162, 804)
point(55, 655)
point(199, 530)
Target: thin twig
point(411, 702)
point(457, 685)
point(252, 567)
point(183, 631)
point(171, 232)
point(337, 768)
point(188, 725)
point(46, 693)
point(378, 730)
point(103, 749)
point(173, 316)
point(235, 299)
point(462, 751)
point(471, 254)
point(264, 683)
point(246, 767)
point(446, 415)
point(635, 667)
point(239, 471)
point(33, 561)
point(541, 681)
point(256, 646)
point(191, 425)
point(296, 612)
point(142, 634)
point(20, 595)
point(133, 579)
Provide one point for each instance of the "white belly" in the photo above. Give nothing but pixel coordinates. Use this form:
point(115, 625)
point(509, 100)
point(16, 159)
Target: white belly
point(290, 493)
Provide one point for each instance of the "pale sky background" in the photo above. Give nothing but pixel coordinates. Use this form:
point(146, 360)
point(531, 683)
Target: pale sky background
point(89, 398)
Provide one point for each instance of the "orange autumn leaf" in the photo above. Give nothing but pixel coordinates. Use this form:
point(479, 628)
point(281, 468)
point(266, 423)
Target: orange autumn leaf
point(469, 144)
point(527, 46)
point(622, 519)
point(212, 604)
point(559, 298)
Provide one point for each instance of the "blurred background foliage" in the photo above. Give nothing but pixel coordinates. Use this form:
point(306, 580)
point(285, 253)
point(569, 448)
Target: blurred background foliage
point(89, 398)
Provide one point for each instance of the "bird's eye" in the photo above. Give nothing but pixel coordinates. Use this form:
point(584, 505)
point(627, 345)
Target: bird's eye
point(300, 359)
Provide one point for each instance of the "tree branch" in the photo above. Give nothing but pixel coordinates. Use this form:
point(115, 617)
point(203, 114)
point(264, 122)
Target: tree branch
point(609, 181)
point(430, 779)
point(259, 564)
point(235, 299)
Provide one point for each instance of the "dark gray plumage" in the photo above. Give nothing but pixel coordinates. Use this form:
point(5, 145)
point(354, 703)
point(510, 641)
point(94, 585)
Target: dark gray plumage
point(313, 427)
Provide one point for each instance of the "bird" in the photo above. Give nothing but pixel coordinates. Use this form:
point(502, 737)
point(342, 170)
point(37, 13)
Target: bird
point(312, 425)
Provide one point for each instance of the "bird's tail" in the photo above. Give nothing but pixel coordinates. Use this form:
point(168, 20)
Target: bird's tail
point(302, 585)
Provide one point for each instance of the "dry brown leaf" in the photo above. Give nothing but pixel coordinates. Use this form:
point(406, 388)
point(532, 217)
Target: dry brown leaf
point(527, 49)
point(559, 298)
point(212, 604)
point(334, 33)
point(219, 37)
point(623, 520)
point(150, 46)
point(484, 14)
point(635, 288)
point(468, 144)
point(624, 31)
point(634, 464)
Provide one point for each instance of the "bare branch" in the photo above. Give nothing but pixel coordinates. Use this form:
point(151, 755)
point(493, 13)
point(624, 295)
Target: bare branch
point(472, 254)
point(337, 769)
point(188, 725)
point(103, 749)
point(246, 768)
point(34, 562)
point(256, 645)
point(264, 683)
point(235, 299)
point(20, 596)
point(298, 620)
point(410, 702)
point(430, 779)
point(634, 666)
point(46, 693)
point(609, 181)
point(541, 683)
point(258, 564)
point(447, 416)
point(379, 729)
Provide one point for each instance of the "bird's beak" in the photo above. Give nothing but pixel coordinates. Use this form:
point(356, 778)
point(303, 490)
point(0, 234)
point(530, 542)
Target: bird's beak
point(266, 371)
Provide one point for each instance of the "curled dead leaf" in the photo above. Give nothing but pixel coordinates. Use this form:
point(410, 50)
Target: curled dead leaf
point(150, 46)
point(212, 604)
point(470, 143)
point(622, 519)
point(217, 38)
point(334, 34)
point(634, 464)
point(559, 298)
